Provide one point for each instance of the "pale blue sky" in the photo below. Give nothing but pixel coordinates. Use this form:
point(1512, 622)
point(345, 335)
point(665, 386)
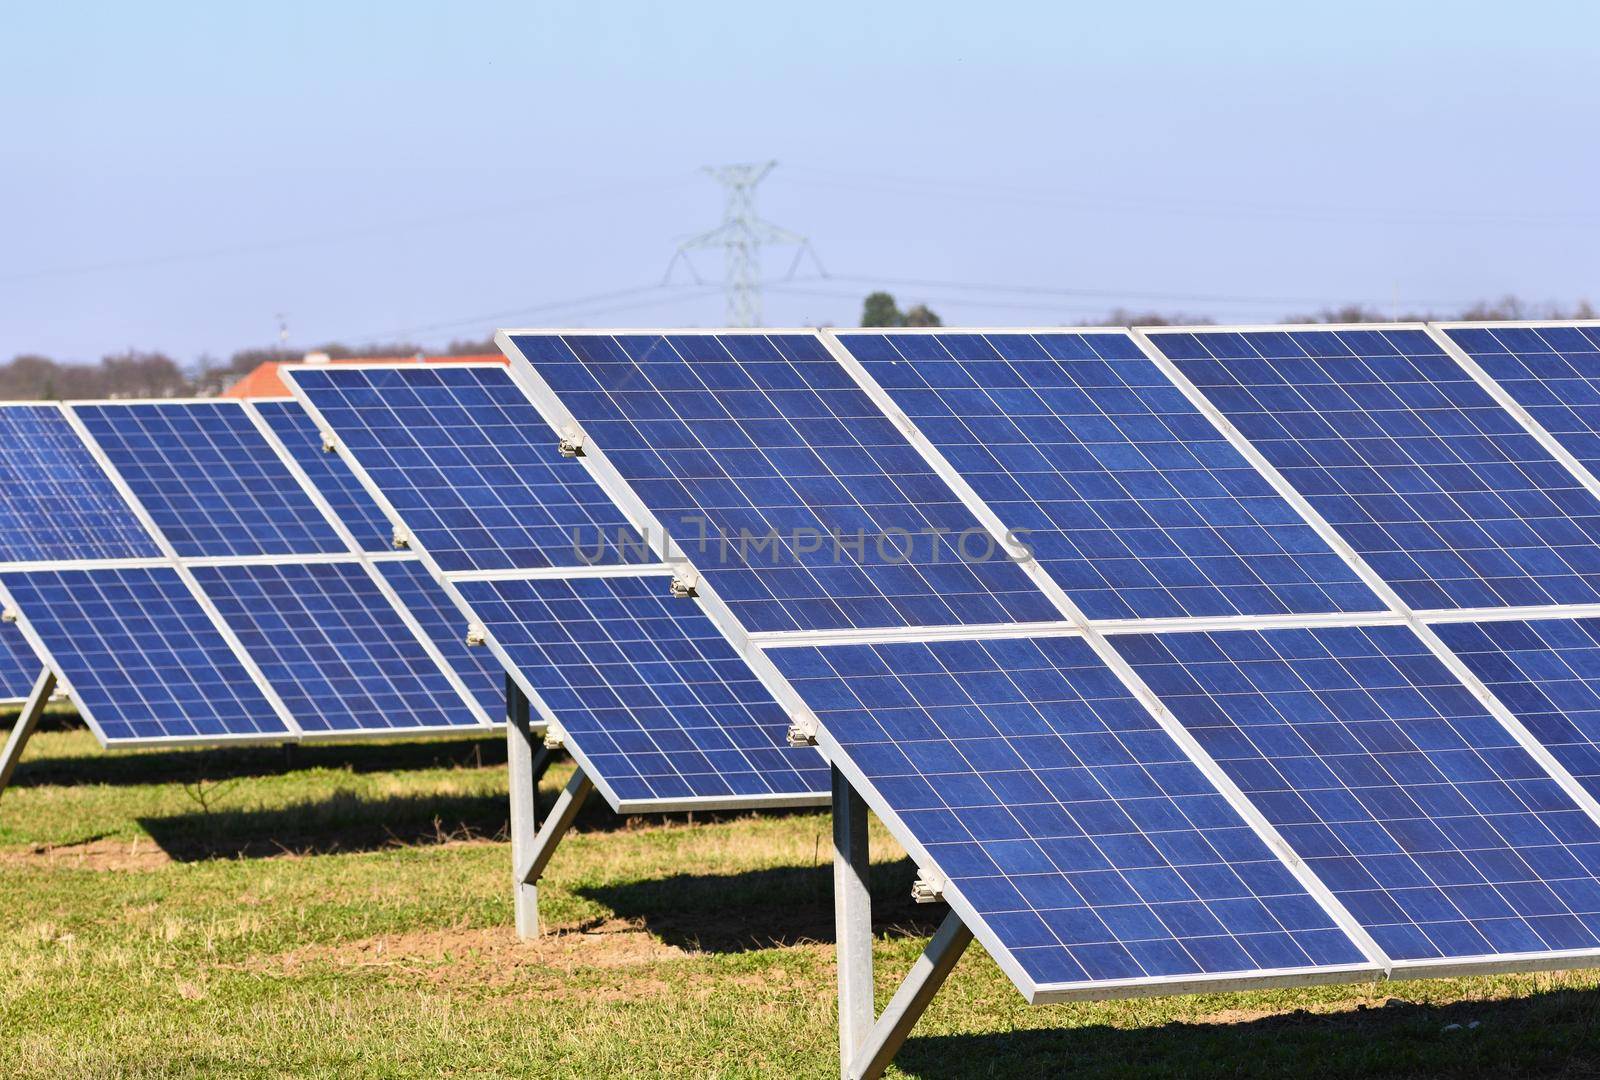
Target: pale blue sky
point(173, 174)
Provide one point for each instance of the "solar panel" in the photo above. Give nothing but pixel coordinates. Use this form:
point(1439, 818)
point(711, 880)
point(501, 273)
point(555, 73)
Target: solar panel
point(140, 657)
point(1402, 793)
point(1547, 672)
point(1440, 489)
point(56, 500)
point(332, 646)
point(19, 665)
point(1132, 500)
point(209, 480)
point(446, 627)
point(734, 438)
point(1086, 844)
point(655, 703)
point(328, 473)
point(1551, 371)
point(469, 465)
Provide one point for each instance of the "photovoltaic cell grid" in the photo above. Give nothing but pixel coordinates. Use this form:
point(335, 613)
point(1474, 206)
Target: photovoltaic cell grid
point(57, 501)
point(19, 667)
point(469, 465)
point(140, 654)
point(329, 474)
point(765, 437)
point(651, 695)
point(209, 479)
point(333, 647)
point(1440, 834)
point(1086, 840)
point(1131, 499)
point(1441, 490)
point(1547, 672)
point(446, 627)
point(1552, 371)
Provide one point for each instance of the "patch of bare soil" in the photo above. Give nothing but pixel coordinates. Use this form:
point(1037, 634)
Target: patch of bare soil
point(98, 854)
point(493, 956)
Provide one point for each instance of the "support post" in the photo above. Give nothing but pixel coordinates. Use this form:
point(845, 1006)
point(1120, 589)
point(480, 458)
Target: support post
point(907, 1005)
point(27, 720)
point(852, 914)
point(521, 756)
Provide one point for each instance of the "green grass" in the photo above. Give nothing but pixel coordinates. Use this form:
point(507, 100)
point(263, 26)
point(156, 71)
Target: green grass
point(346, 914)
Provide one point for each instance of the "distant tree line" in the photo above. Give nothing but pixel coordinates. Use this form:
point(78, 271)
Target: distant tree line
point(135, 374)
point(138, 374)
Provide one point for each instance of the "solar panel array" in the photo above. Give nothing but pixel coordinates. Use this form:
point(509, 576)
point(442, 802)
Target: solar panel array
point(655, 705)
point(185, 584)
point(1322, 693)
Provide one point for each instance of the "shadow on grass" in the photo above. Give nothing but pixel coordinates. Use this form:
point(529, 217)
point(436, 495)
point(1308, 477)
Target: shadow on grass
point(341, 822)
point(217, 764)
point(1548, 1034)
point(761, 909)
point(345, 821)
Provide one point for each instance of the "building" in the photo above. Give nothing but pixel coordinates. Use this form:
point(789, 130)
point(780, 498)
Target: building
point(264, 381)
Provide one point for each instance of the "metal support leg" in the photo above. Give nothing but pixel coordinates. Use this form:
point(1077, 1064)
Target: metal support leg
point(521, 754)
point(908, 1003)
point(556, 824)
point(27, 720)
point(852, 914)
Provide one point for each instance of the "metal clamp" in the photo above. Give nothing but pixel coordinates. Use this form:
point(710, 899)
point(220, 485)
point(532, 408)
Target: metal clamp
point(928, 888)
point(8, 615)
point(685, 583)
point(571, 444)
point(554, 737)
point(477, 634)
point(400, 539)
point(329, 443)
point(803, 731)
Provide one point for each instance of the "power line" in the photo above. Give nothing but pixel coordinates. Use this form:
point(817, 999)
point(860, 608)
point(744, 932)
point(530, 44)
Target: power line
point(1117, 294)
point(338, 236)
point(956, 189)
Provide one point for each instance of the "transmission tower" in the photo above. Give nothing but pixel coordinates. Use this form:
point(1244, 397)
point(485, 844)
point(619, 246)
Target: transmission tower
point(741, 237)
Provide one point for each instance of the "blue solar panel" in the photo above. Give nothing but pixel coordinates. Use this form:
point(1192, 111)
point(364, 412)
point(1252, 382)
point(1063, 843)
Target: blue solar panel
point(766, 436)
point(1085, 839)
point(19, 667)
point(1547, 672)
point(1133, 501)
point(333, 647)
point(1552, 371)
point(140, 655)
point(446, 627)
point(329, 474)
point(471, 468)
point(1440, 834)
point(56, 501)
point(209, 479)
point(1442, 491)
point(654, 701)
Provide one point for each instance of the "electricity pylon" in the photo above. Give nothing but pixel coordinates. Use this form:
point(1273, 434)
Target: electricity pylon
point(741, 237)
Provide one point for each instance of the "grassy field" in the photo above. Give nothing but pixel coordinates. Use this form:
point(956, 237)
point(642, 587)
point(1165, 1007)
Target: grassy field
point(345, 913)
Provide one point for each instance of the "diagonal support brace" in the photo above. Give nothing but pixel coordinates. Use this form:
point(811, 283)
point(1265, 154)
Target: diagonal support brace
point(556, 824)
point(27, 720)
point(872, 1057)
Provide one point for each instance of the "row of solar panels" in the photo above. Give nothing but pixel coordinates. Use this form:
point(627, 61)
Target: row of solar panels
point(1141, 809)
point(1298, 684)
point(189, 581)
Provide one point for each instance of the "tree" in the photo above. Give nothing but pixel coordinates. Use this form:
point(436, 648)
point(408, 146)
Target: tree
point(880, 310)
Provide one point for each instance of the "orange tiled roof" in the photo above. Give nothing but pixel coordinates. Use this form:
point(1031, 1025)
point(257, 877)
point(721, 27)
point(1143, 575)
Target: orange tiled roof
point(264, 381)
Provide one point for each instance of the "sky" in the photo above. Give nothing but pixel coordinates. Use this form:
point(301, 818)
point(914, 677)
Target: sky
point(182, 176)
